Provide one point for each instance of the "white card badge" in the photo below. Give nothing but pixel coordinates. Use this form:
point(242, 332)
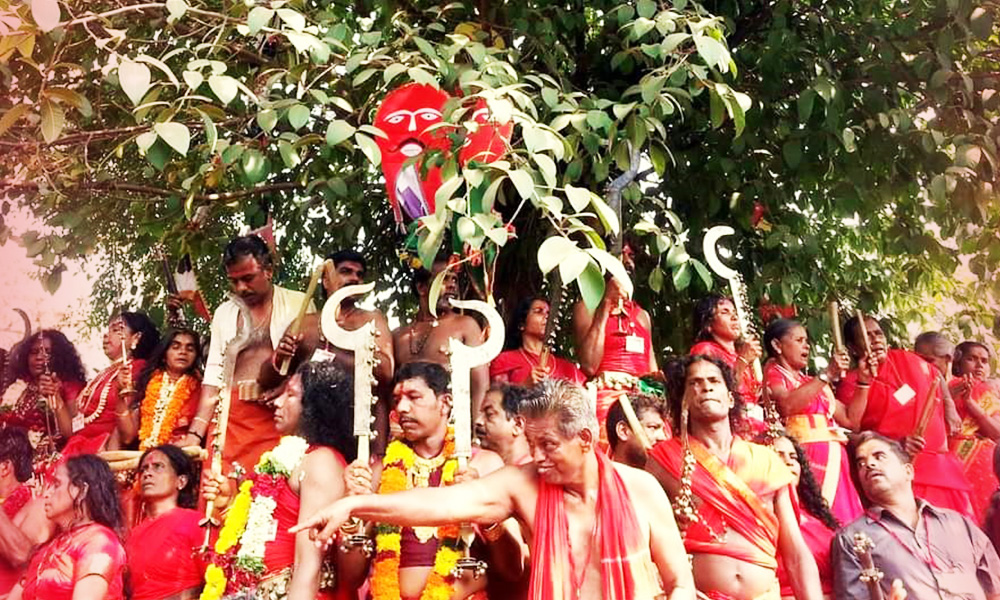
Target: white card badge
point(634, 344)
point(321, 355)
point(78, 422)
point(904, 394)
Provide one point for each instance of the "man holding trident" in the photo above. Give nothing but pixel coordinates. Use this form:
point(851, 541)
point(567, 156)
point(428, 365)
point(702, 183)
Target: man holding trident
point(600, 531)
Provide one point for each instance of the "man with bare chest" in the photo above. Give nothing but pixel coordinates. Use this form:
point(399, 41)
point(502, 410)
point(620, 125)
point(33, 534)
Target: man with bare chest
point(599, 530)
point(426, 338)
point(733, 498)
point(247, 338)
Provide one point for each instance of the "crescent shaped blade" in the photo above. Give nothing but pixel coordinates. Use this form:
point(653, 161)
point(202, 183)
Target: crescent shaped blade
point(473, 356)
point(27, 322)
point(332, 331)
point(710, 247)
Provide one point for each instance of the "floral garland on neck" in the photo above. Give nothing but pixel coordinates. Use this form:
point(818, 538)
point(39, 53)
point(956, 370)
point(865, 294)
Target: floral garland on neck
point(12, 395)
point(398, 475)
point(161, 408)
point(237, 561)
point(106, 379)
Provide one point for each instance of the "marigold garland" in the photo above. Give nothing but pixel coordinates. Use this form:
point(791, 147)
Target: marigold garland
point(238, 557)
point(161, 408)
point(397, 477)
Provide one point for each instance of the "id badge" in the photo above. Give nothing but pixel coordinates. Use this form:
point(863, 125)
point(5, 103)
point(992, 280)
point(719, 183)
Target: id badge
point(78, 422)
point(904, 394)
point(634, 344)
point(321, 355)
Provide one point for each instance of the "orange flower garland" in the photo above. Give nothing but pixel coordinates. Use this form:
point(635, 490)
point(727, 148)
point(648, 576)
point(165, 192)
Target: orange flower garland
point(161, 408)
point(396, 477)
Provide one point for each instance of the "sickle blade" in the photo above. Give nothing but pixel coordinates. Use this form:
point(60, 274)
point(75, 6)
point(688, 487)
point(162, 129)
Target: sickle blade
point(710, 247)
point(332, 331)
point(27, 323)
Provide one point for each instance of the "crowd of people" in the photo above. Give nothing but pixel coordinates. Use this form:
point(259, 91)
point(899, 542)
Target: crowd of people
point(234, 467)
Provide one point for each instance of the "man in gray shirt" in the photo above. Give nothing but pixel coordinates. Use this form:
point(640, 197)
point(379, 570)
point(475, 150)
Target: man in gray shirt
point(935, 552)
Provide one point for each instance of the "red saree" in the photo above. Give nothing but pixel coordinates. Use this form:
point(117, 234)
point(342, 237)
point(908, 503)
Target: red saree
point(96, 404)
point(730, 497)
point(974, 450)
point(164, 557)
point(87, 550)
point(895, 401)
point(515, 366)
point(627, 572)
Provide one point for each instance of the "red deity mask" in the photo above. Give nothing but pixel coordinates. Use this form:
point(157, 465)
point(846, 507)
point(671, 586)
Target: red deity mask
point(405, 115)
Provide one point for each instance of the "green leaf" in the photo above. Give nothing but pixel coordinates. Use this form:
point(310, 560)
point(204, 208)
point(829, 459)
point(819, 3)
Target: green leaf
point(298, 116)
point(792, 151)
point(393, 71)
point(591, 284)
point(255, 165)
point(609, 219)
point(548, 168)
point(288, 154)
point(193, 79)
point(175, 135)
point(224, 87)
point(292, 18)
point(73, 98)
point(369, 148)
point(11, 116)
point(805, 104)
point(211, 133)
point(849, 137)
point(523, 182)
point(45, 14)
point(338, 131)
point(146, 140)
point(682, 277)
point(134, 79)
point(553, 251)
point(641, 27)
point(610, 264)
point(703, 272)
point(267, 119)
point(53, 120)
point(825, 88)
point(717, 108)
point(259, 17)
point(175, 10)
point(646, 8)
point(158, 154)
point(447, 190)
point(579, 198)
point(656, 280)
point(435, 291)
point(981, 23)
point(712, 52)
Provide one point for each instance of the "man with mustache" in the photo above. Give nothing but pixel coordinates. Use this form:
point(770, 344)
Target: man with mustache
point(426, 338)
point(625, 446)
point(421, 457)
point(935, 552)
point(500, 428)
point(893, 386)
point(599, 529)
point(734, 500)
point(271, 309)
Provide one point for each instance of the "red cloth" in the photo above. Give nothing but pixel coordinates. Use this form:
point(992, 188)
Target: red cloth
point(731, 496)
point(95, 434)
point(818, 537)
point(249, 434)
point(164, 557)
point(514, 366)
point(25, 412)
point(938, 476)
point(616, 333)
point(824, 446)
point(748, 386)
point(618, 538)
point(280, 552)
point(88, 550)
point(972, 448)
point(12, 505)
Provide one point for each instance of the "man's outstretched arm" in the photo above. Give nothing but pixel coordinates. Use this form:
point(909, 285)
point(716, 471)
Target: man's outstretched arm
point(486, 500)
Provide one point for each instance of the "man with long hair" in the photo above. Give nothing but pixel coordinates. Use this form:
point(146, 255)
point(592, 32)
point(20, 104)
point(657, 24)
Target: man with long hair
point(23, 524)
point(734, 499)
point(599, 529)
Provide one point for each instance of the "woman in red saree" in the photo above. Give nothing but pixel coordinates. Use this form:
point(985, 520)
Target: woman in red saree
point(520, 363)
point(718, 334)
point(977, 400)
point(92, 416)
point(86, 558)
point(812, 414)
point(164, 561)
point(46, 373)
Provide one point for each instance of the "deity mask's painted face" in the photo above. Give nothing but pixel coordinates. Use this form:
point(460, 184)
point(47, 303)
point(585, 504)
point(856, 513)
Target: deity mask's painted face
point(404, 117)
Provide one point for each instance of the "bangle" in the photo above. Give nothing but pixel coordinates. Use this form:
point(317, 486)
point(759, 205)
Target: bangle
point(201, 419)
point(743, 360)
point(351, 527)
point(863, 386)
point(124, 413)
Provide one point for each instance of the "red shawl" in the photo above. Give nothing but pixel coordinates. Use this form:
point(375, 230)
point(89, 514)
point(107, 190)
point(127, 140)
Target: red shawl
point(730, 496)
point(618, 536)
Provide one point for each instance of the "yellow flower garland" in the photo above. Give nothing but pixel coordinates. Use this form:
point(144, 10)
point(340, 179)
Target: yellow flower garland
point(396, 477)
point(229, 535)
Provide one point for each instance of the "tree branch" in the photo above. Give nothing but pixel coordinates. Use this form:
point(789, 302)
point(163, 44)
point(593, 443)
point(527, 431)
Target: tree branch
point(136, 188)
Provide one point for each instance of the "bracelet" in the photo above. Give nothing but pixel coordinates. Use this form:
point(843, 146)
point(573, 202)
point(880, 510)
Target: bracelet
point(196, 419)
point(743, 360)
point(124, 413)
point(352, 526)
point(863, 386)
point(126, 392)
point(200, 436)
